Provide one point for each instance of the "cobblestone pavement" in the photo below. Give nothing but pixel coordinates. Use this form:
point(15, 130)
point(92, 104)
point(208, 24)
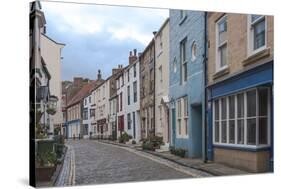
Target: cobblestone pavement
point(97, 163)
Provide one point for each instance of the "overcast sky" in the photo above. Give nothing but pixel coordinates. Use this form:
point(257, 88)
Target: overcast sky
point(98, 36)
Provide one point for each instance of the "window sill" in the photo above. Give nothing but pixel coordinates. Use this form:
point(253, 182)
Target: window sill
point(221, 73)
point(242, 147)
point(256, 56)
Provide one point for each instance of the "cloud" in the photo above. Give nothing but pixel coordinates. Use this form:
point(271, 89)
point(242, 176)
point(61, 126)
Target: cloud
point(99, 37)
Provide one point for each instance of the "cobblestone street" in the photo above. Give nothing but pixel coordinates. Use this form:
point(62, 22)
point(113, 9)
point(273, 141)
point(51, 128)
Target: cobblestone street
point(97, 163)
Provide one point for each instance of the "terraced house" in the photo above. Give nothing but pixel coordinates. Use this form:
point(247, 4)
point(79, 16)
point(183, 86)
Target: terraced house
point(162, 83)
point(147, 90)
point(240, 90)
point(74, 109)
point(186, 87)
point(132, 97)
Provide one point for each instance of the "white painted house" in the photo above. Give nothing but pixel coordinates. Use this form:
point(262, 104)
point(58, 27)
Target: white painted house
point(86, 116)
point(129, 98)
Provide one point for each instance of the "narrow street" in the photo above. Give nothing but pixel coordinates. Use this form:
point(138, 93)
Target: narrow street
point(97, 163)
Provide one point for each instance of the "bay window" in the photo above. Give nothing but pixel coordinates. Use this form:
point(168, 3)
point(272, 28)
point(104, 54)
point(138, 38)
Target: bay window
point(242, 119)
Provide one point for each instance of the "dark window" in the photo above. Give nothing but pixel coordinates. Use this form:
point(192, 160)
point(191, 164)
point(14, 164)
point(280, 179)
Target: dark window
point(135, 91)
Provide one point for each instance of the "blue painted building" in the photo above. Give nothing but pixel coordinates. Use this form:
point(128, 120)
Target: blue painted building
point(186, 87)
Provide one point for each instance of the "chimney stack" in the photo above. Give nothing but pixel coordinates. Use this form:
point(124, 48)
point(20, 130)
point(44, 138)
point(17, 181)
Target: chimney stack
point(133, 58)
point(77, 81)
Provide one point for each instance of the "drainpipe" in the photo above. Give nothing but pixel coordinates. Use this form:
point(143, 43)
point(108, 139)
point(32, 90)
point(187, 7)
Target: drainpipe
point(205, 97)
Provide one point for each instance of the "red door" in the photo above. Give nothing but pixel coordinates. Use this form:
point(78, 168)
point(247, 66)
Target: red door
point(121, 123)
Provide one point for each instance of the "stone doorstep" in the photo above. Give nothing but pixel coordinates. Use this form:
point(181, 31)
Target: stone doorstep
point(215, 169)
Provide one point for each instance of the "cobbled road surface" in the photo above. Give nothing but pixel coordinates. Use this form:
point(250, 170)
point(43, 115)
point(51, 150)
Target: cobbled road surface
point(97, 163)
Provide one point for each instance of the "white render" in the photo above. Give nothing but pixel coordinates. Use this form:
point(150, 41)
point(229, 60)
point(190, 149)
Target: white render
point(102, 109)
point(162, 81)
point(120, 90)
point(132, 108)
point(87, 105)
point(51, 53)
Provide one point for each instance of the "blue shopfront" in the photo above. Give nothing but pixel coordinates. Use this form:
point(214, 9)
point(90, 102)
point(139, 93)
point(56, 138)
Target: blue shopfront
point(240, 120)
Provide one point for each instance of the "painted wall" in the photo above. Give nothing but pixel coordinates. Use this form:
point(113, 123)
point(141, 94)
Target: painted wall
point(191, 27)
point(162, 80)
point(87, 104)
point(134, 106)
point(51, 53)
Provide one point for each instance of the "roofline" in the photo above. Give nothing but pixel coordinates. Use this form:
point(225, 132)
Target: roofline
point(53, 40)
point(162, 26)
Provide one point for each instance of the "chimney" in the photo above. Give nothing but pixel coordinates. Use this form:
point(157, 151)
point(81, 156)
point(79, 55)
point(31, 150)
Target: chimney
point(99, 75)
point(154, 33)
point(77, 81)
point(116, 70)
point(133, 58)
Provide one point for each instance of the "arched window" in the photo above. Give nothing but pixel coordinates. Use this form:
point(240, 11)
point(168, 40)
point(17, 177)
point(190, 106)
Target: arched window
point(193, 51)
point(175, 65)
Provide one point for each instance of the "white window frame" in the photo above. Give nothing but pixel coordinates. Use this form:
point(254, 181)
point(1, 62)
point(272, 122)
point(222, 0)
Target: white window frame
point(180, 117)
point(194, 51)
point(186, 116)
point(218, 63)
point(245, 145)
point(182, 62)
point(250, 35)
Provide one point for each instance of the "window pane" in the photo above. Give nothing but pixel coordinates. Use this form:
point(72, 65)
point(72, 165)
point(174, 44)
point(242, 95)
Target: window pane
point(251, 131)
point(179, 126)
point(217, 110)
point(259, 34)
point(251, 103)
point(217, 131)
point(240, 105)
point(186, 126)
point(185, 71)
point(231, 131)
point(223, 132)
point(223, 108)
point(231, 107)
point(222, 50)
point(254, 17)
point(263, 130)
point(240, 132)
point(222, 37)
point(263, 96)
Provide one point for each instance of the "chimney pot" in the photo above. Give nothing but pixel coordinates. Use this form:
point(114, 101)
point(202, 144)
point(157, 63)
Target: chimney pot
point(130, 53)
point(135, 52)
point(154, 33)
